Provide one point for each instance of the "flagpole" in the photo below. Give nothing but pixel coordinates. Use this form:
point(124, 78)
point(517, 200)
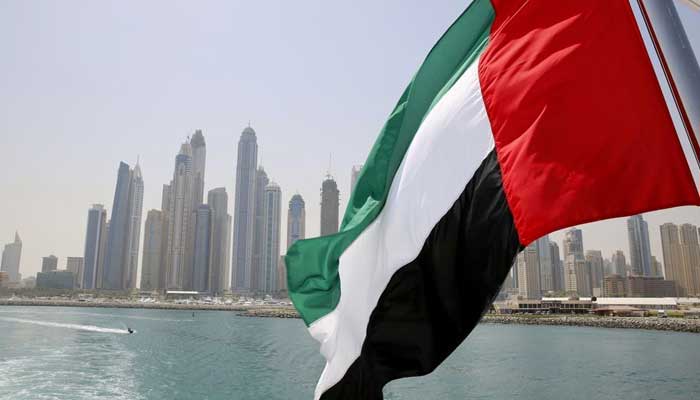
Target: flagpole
point(679, 64)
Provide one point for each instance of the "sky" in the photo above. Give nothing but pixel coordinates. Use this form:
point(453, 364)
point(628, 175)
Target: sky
point(86, 84)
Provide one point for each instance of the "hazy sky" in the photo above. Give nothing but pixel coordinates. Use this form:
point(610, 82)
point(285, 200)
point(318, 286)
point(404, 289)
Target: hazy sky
point(86, 84)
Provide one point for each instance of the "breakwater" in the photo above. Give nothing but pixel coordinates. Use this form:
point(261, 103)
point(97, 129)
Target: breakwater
point(648, 323)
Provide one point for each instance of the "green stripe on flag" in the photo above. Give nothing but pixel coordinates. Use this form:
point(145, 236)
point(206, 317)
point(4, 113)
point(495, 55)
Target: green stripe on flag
point(312, 264)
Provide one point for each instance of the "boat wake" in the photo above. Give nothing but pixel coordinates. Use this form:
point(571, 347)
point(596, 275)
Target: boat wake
point(90, 328)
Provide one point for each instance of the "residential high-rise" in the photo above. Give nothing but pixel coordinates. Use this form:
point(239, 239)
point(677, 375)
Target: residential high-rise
point(577, 276)
point(557, 268)
point(136, 207)
point(656, 267)
point(544, 258)
point(282, 275)
point(95, 238)
point(583, 278)
point(49, 263)
point(271, 239)
point(330, 203)
point(690, 250)
point(529, 272)
point(576, 273)
point(103, 257)
point(165, 232)
point(354, 174)
point(180, 217)
point(117, 240)
point(640, 249)
point(244, 209)
point(296, 220)
point(257, 263)
point(199, 156)
point(75, 265)
point(619, 263)
point(11, 255)
point(674, 267)
point(202, 248)
point(151, 261)
point(594, 258)
point(573, 243)
point(219, 258)
point(121, 258)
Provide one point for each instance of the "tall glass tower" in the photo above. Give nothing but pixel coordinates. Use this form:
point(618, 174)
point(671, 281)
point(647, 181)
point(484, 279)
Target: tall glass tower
point(296, 220)
point(243, 214)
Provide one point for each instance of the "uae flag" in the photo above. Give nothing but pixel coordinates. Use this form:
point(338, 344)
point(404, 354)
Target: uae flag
point(525, 117)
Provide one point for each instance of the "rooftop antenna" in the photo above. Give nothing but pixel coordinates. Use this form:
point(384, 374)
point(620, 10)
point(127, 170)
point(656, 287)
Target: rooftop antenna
point(330, 162)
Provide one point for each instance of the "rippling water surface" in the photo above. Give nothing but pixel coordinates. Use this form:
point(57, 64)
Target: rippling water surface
point(84, 353)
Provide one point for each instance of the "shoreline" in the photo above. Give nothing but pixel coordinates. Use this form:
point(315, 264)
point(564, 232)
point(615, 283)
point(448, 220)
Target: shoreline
point(278, 311)
point(146, 306)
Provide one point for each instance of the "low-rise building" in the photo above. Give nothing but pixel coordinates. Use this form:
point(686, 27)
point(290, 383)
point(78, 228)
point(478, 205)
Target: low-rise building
point(638, 286)
point(642, 303)
point(55, 280)
point(600, 305)
point(553, 305)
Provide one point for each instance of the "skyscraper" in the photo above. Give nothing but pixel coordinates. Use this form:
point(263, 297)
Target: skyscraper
point(271, 238)
point(282, 275)
point(674, 267)
point(575, 278)
point(570, 284)
point(257, 263)
point(219, 259)
point(354, 174)
point(557, 268)
point(76, 266)
point(594, 258)
point(136, 207)
point(95, 238)
point(573, 243)
point(330, 202)
point(690, 249)
point(151, 261)
point(103, 257)
point(11, 255)
point(619, 263)
point(165, 264)
point(243, 214)
point(49, 263)
point(117, 240)
point(544, 258)
point(121, 258)
point(656, 267)
point(296, 220)
point(199, 156)
point(202, 247)
point(640, 250)
point(529, 272)
point(180, 217)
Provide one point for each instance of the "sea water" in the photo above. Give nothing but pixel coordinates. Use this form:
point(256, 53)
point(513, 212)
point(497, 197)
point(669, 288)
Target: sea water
point(86, 353)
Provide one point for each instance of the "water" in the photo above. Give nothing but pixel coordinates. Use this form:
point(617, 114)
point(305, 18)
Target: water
point(83, 353)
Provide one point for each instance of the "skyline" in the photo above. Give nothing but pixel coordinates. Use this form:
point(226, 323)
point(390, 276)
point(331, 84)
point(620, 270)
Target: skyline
point(64, 161)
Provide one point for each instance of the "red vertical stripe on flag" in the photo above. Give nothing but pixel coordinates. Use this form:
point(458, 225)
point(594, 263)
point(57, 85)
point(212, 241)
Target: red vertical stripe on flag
point(581, 127)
